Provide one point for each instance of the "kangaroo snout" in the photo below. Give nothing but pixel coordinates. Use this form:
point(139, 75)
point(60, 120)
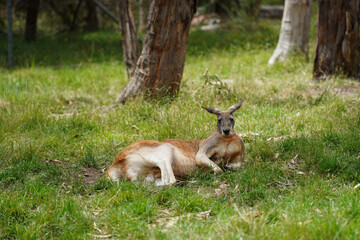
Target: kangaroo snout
point(226, 132)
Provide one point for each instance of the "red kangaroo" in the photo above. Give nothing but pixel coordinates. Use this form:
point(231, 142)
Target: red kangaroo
point(162, 162)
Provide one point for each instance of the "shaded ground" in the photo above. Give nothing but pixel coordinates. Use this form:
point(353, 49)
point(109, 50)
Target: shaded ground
point(91, 175)
point(88, 175)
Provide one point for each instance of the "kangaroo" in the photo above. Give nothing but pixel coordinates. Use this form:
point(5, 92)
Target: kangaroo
point(161, 162)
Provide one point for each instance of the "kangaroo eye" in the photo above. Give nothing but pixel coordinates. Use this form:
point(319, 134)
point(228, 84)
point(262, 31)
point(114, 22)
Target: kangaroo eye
point(219, 120)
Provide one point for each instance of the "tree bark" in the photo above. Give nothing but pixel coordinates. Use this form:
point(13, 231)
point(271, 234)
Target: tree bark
point(67, 11)
point(253, 7)
point(74, 23)
point(337, 42)
point(31, 20)
point(161, 63)
point(92, 23)
point(129, 37)
point(10, 34)
point(295, 27)
point(143, 11)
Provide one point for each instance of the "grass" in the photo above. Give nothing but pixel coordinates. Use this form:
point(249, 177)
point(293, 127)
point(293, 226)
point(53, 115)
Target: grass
point(301, 138)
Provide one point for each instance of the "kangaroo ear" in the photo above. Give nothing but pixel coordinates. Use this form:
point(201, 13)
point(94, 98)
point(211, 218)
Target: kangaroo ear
point(215, 111)
point(234, 107)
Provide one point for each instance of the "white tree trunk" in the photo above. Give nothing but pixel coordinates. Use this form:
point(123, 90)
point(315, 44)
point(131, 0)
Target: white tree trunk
point(129, 37)
point(295, 26)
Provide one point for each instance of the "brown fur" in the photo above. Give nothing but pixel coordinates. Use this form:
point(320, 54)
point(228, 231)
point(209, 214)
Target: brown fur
point(121, 162)
point(133, 148)
point(229, 155)
point(223, 148)
point(188, 148)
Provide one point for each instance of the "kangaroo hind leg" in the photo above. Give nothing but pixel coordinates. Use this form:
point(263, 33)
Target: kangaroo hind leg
point(114, 173)
point(163, 157)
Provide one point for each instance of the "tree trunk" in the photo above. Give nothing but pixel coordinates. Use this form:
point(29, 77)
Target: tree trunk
point(253, 7)
point(67, 11)
point(143, 11)
point(10, 34)
point(337, 43)
point(294, 33)
point(31, 20)
point(92, 23)
point(161, 63)
point(129, 37)
point(74, 24)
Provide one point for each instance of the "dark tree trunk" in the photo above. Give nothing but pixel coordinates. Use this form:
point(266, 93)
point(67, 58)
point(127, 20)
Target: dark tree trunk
point(337, 45)
point(143, 12)
point(31, 20)
point(161, 63)
point(92, 23)
point(67, 11)
point(253, 7)
point(74, 23)
point(129, 37)
point(10, 34)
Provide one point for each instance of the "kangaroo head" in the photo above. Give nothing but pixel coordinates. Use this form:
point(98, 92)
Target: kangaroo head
point(225, 119)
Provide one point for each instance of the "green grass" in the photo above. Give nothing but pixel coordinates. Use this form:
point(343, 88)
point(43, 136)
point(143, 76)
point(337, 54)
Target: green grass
point(301, 138)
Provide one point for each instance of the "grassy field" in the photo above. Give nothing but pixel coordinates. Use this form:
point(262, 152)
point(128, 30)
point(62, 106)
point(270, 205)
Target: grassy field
point(302, 159)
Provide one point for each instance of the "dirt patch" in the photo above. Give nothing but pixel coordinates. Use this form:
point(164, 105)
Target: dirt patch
point(351, 90)
point(347, 92)
point(91, 175)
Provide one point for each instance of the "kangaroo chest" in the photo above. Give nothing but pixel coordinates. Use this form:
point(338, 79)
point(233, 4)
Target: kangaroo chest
point(225, 152)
